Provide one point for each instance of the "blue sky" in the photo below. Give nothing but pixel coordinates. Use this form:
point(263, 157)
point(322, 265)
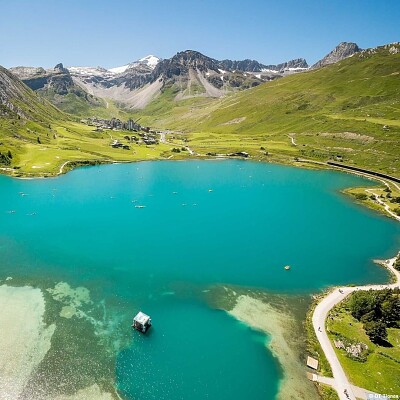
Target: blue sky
point(113, 33)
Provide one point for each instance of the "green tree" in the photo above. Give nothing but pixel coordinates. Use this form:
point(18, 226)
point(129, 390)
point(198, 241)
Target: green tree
point(361, 302)
point(376, 330)
point(391, 311)
point(361, 196)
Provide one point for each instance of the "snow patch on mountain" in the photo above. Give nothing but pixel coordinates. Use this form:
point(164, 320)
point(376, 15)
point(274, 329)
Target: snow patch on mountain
point(90, 71)
point(150, 61)
point(119, 70)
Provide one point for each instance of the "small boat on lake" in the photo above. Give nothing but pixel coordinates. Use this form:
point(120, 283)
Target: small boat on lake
point(287, 267)
point(140, 206)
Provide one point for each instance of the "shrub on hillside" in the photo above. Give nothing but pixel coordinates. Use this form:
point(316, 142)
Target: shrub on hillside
point(376, 330)
point(376, 309)
point(397, 262)
point(361, 196)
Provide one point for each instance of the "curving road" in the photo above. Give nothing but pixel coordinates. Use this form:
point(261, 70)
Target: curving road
point(340, 381)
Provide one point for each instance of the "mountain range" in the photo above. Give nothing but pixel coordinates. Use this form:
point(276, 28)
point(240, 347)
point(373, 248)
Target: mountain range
point(187, 74)
point(344, 108)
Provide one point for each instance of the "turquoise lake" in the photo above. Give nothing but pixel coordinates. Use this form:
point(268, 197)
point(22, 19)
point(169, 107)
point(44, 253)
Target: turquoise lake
point(203, 223)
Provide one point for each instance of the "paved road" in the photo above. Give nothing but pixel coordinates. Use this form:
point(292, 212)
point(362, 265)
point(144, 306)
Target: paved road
point(340, 381)
point(360, 393)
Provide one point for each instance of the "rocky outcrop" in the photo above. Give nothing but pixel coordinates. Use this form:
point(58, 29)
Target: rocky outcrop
point(12, 91)
point(27, 72)
point(57, 79)
point(198, 75)
point(54, 84)
point(180, 64)
point(340, 52)
point(135, 77)
point(192, 73)
point(255, 66)
point(296, 64)
point(16, 99)
point(59, 68)
point(244, 65)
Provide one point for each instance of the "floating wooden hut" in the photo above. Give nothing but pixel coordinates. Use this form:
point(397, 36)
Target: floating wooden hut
point(141, 322)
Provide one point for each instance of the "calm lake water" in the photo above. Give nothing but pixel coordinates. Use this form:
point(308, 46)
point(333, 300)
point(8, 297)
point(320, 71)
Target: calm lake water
point(203, 223)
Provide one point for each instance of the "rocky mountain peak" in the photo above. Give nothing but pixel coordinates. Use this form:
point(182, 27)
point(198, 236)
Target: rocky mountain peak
point(340, 52)
point(182, 62)
point(150, 61)
point(194, 59)
point(254, 66)
point(60, 69)
point(243, 65)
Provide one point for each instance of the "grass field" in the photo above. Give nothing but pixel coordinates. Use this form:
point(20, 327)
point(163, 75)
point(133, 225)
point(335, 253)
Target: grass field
point(349, 112)
point(72, 141)
point(367, 196)
point(381, 371)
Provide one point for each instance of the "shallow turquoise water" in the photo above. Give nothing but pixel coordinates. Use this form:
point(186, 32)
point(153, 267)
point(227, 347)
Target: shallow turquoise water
point(204, 223)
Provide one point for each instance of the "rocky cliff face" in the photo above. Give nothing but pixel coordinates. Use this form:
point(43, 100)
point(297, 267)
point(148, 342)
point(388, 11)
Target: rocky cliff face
point(340, 52)
point(255, 66)
point(12, 91)
point(296, 64)
point(182, 62)
point(57, 79)
point(135, 77)
point(136, 84)
point(16, 99)
point(199, 75)
point(54, 84)
point(244, 65)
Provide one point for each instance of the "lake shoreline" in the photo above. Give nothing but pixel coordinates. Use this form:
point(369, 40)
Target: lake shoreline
point(316, 316)
point(282, 329)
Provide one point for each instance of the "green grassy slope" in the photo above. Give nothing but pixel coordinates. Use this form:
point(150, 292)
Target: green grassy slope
point(25, 118)
point(349, 111)
point(380, 371)
point(76, 102)
point(336, 112)
point(36, 138)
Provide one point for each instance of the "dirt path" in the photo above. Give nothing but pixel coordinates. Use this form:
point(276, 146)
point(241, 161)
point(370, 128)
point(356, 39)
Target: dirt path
point(292, 140)
point(340, 381)
point(60, 172)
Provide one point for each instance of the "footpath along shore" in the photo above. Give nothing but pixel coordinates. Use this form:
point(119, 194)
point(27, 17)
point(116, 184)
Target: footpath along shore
point(340, 381)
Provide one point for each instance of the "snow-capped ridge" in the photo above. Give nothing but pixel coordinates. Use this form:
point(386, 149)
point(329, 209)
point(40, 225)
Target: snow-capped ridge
point(119, 70)
point(150, 61)
point(88, 71)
